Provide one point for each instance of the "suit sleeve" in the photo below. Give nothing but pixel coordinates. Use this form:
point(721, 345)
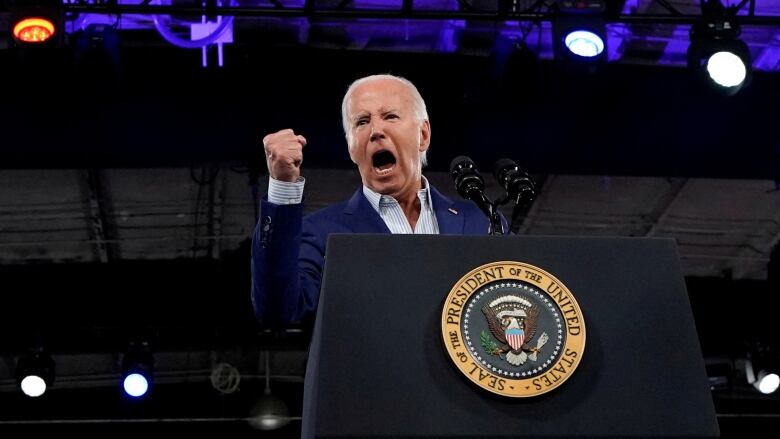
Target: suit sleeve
point(287, 260)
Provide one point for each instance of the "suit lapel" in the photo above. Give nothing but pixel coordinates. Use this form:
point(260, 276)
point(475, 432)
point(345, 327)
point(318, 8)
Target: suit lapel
point(449, 218)
point(360, 217)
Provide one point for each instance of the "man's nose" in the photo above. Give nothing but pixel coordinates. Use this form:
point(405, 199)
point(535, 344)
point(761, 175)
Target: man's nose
point(377, 131)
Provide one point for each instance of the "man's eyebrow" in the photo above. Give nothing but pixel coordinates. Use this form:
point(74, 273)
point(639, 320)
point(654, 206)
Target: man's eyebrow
point(382, 111)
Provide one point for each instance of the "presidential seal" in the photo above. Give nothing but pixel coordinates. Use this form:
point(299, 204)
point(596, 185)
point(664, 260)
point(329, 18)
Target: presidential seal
point(513, 329)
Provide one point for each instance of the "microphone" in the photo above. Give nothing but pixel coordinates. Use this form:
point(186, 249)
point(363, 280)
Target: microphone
point(471, 186)
point(468, 182)
point(518, 184)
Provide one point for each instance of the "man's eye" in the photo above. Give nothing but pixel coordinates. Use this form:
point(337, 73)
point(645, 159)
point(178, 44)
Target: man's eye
point(391, 116)
point(360, 122)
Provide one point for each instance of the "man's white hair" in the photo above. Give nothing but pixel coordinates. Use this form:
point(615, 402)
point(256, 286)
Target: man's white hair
point(420, 112)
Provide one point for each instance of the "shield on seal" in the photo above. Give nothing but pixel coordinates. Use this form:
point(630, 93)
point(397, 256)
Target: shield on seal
point(515, 337)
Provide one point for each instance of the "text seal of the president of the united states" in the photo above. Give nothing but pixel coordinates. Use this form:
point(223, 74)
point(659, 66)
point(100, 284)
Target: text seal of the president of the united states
point(513, 329)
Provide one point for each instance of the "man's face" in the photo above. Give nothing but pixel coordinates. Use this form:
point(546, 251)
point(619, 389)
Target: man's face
point(387, 139)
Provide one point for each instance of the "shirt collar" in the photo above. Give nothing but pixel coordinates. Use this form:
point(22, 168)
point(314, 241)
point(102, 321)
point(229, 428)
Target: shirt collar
point(378, 200)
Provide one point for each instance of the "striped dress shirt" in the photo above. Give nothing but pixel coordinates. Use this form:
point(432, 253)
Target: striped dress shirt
point(393, 216)
point(280, 192)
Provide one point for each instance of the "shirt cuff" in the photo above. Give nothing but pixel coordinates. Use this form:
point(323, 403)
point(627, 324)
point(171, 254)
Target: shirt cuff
point(283, 192)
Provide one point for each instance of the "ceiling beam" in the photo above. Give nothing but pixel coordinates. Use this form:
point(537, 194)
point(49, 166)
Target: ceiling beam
point(100, 228)
point(400, 13)
point(661, 212)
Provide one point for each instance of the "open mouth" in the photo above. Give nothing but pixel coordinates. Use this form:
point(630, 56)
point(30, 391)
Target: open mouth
point(383, 161)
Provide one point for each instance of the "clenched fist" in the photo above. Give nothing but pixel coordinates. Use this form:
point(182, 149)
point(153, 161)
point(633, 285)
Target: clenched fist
point(284, 154)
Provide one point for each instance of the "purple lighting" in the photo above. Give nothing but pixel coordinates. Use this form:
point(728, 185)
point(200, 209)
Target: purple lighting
point(630, 7)
point(447, 39)
point(202, 34)
point(440, 26)
point(617, 35)
point(377, 4)
point(203, 31)
point(437, 5)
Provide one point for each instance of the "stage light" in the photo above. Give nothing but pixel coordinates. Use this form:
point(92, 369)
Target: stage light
point(35, 23)
point(135, 384)
point(270, 412)
point(33, 30)
point(716, 54)
point(580, 32)
point(726, 69)
point(766, 382)
point(762, 368)
point(137, 370)
point(584, 43)
point(35, 373)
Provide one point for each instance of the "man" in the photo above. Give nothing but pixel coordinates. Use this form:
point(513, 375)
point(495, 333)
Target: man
point(388, 134)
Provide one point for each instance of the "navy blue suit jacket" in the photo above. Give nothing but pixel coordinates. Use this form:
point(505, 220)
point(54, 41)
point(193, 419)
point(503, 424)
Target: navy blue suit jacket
point(288, 250)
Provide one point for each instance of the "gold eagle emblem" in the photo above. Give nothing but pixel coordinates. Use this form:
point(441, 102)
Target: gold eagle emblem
point(512, 320)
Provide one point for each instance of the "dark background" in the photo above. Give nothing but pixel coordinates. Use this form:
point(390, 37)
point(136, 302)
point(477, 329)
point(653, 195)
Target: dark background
point(162, 109)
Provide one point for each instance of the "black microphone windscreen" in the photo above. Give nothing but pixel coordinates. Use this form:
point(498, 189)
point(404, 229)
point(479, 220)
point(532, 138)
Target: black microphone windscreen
point(461, 161)
point(467, 180)
point(502, 165)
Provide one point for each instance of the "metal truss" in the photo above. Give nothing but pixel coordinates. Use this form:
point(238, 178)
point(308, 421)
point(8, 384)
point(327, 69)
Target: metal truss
point(505, 10)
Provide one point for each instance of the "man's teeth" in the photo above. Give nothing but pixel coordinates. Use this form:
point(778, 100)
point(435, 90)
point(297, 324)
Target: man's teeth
point(384, 171)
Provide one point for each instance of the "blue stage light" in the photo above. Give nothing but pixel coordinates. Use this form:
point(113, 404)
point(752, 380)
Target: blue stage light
point(580, 35)
point(137, 370)
point(135, 385)
point(584, 43)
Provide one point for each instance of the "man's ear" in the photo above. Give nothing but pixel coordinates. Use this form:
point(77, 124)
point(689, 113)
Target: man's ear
point(351, 150)
point(425, 135)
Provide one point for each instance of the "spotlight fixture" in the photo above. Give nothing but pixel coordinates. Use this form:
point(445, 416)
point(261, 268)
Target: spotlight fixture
point(33, 29)
point(579, 30)
point(137, 369)
point(584, 43)
point(36, 23)
point(716, 54)
point(35, 373)
point(762, 369)
point(270, 412)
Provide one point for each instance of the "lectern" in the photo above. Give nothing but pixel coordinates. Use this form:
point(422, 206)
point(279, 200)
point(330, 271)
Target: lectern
point(378, 366)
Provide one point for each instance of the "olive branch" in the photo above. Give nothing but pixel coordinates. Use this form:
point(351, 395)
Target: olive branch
point(489, 344)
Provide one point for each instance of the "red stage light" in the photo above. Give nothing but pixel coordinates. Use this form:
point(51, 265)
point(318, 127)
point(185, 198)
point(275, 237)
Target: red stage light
point(33, 30)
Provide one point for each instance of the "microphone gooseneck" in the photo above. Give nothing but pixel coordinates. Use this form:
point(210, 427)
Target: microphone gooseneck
point(519, 186)
point(471, 186)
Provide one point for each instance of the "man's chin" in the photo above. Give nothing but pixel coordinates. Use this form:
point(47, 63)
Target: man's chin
point(384, 187)
point(376, 181)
